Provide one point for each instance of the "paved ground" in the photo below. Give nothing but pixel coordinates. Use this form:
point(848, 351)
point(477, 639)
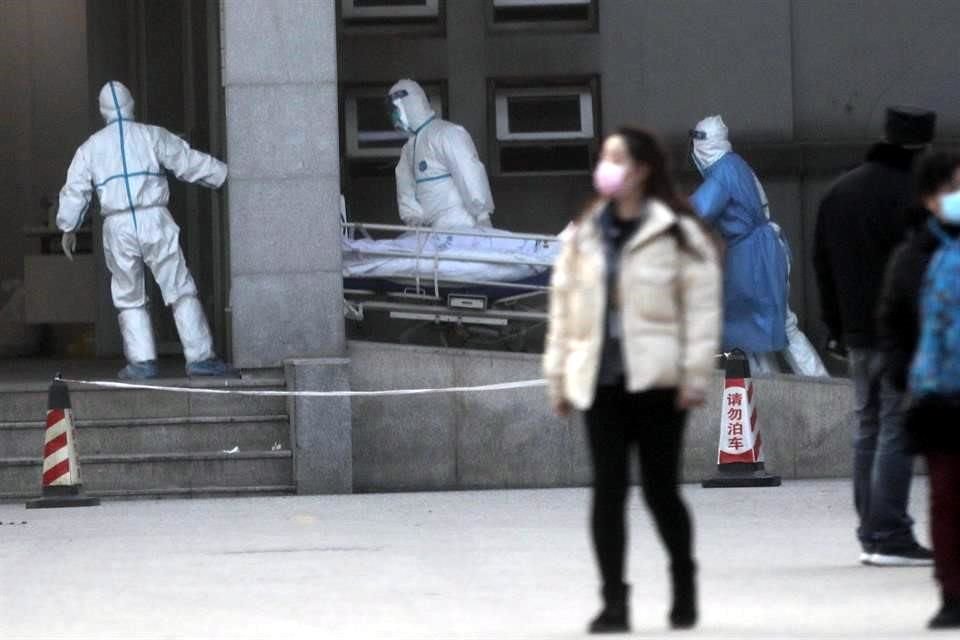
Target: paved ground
point(775, 563)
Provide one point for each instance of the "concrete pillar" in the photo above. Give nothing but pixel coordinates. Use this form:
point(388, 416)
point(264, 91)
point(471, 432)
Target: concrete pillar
point(321, 427)
point(286, 295)
point(280, 74)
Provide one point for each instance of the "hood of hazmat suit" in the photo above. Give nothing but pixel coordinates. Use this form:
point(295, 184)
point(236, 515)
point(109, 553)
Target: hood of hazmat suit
point(411, 106)
point(116, 101)
point(441, 182)
point(710, 142)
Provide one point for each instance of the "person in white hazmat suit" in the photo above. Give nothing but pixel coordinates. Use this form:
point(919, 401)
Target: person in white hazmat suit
point(441, 182)
point(733, 201)
point(124, 164)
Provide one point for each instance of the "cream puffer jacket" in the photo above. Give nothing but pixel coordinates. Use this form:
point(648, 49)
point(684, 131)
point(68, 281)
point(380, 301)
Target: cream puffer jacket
point(670, 288)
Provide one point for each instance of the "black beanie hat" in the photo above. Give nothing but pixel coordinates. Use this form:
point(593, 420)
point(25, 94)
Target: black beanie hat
point(908, 126)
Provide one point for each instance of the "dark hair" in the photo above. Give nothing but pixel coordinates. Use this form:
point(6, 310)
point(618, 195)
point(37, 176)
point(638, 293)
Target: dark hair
point(933, 171)
point(645, 148)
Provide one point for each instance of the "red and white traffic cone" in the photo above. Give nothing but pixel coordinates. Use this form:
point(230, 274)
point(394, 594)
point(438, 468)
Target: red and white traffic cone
point(61, 469)
point(740, 451)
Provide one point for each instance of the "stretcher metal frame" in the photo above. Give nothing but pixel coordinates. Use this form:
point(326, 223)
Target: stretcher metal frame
point(421, 297)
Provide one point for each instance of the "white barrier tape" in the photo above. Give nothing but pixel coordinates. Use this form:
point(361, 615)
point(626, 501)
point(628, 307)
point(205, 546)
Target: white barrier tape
point(501, 386)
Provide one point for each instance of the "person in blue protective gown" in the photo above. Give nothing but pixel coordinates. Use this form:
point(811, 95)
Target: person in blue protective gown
point(756, 264)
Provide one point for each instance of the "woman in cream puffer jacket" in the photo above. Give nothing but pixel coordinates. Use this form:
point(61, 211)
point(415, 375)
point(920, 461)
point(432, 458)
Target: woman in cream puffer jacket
point(671, 320)
point(635, 322)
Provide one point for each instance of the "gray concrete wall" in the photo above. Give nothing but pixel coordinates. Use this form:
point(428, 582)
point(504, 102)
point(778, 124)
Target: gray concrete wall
point(782, 72)
point(280, 75)
point(510, 439)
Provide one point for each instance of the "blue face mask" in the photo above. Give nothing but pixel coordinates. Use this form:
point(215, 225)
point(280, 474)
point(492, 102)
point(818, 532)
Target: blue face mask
point(950, 207)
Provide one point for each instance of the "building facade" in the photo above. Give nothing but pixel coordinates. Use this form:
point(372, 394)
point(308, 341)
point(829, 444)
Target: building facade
point(286, 91)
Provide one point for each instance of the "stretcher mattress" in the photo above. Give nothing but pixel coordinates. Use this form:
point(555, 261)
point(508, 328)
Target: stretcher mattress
point(446, 256)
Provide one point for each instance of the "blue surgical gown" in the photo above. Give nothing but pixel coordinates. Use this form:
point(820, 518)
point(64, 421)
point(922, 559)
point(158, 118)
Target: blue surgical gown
point(755, 269)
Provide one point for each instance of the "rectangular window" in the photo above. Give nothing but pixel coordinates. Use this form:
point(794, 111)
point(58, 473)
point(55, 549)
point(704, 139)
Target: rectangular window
point(546, 127)
point(367, 130)
point(544, 113)
point(578, 15)
point(389, 12)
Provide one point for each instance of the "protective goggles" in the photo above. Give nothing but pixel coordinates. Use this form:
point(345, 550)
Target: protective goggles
point(396, 95)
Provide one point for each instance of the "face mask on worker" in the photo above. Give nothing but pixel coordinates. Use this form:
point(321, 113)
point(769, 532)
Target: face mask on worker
point(398, 121)
point(397, 116)
point(691, 151)
point(950, 207)
point(609, 178)
point(412, 107)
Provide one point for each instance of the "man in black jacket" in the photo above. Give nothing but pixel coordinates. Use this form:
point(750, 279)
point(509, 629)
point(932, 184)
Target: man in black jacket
point(861, 220)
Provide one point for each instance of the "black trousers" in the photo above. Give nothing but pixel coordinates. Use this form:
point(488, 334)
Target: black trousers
point(649, 423)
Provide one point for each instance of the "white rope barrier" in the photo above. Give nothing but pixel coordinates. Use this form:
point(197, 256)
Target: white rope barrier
point(501, 386)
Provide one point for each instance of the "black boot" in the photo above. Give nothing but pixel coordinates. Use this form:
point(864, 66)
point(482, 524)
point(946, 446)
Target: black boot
point(615, 616)
point(683, 614)
point(949, 615)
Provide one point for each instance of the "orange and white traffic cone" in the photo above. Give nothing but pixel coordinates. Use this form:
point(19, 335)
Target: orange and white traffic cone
point(61, 469)
point(740, 451)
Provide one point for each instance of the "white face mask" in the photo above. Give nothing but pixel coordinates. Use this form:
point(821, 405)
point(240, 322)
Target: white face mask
point(950, 207)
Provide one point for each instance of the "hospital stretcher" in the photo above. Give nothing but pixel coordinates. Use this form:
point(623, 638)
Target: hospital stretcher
point(487, 287)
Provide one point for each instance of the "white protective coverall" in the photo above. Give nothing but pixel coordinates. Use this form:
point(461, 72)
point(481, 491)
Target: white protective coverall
point(441, 182)
point(124, 162)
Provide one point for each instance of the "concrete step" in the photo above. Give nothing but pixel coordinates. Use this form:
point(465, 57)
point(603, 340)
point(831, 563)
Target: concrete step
point(141, 442)
point(23, 402)
point(161, 473)
point(154, 435)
